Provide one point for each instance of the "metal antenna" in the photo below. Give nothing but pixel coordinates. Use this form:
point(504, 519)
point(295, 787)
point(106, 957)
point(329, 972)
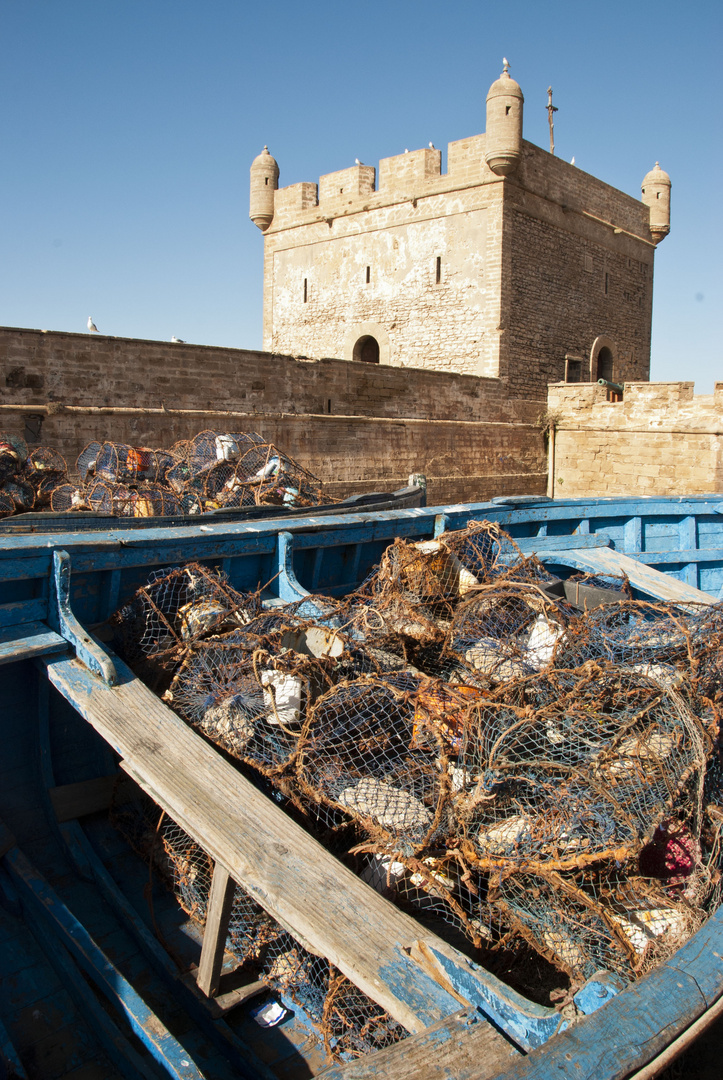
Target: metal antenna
point(551, 110)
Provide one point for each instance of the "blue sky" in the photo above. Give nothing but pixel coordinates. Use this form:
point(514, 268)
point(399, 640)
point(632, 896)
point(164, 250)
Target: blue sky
point(127, 128)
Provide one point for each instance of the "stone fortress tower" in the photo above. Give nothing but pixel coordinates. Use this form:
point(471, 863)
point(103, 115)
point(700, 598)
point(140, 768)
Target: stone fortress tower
point(513, 264)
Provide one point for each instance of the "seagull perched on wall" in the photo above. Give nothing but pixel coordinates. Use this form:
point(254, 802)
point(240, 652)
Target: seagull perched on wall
point(431, 146)
point(177, 340)
point(93, 329)
point(572, 160)
point(357, 161)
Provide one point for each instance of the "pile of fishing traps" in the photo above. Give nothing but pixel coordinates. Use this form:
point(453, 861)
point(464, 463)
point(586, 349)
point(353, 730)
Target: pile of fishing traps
point(27, 478)
point(211, 471)
point(487, 755)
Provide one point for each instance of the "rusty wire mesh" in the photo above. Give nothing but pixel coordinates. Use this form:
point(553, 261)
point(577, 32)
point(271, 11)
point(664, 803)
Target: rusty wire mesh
point(211, 471)
point(348, 1022)
point(493, 758)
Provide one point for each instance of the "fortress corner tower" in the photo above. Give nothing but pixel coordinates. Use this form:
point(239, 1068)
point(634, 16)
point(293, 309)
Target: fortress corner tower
point(512, 264)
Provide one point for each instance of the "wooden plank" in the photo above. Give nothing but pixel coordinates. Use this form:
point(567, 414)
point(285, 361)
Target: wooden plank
point(72, 801)
point(25, 640)
point(681, 555)
point(539, 545)
point(23, 611)
point(10, 1063)
point(457, 1047)
point(320, 901)
point(215, 931)
point(41, 902)
point(645, 578)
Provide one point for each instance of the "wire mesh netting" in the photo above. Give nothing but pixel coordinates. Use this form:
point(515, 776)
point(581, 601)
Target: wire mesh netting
point(521, 770)
point(348, 1022)
point(211, 471)
point(27, 479)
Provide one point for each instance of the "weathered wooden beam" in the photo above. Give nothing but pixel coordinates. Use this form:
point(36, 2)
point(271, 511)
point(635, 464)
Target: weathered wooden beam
point(214, 935)
point(458, 1047)
point(309, 892)
point(602, 560)
point(32, 639)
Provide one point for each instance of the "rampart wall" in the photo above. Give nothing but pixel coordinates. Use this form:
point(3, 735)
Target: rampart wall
point(661, 439)
point(356, 426)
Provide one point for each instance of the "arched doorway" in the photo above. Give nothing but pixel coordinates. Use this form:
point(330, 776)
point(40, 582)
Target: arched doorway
point(366, 349)
point(603, 359)
point(604, 368)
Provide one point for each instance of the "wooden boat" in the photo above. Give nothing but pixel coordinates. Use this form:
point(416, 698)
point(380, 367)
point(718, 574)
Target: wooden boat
point(43, 521)
point(91, 987)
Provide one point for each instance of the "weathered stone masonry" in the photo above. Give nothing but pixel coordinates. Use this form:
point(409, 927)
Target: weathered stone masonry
point(357, 427)
point(661, 439)
point(512, 264)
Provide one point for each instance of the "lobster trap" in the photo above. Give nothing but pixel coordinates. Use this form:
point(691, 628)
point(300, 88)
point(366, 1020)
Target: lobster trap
point(493, 755)
point(348, 1024)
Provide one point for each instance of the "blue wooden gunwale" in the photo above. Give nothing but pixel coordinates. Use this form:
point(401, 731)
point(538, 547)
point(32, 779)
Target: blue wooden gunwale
point(682, 537)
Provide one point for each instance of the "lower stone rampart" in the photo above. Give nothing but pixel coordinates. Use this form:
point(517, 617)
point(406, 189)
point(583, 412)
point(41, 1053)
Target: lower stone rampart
point(357, 426)
point(661, 439)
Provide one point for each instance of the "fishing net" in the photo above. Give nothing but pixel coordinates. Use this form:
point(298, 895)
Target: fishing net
point(359, 755)
point(245, 700)
point(13, 452)
point(519, 762)
point(575, 767)
point(211, 471)
point(175, 609)
point(506, 630)
point(120, 463)
point(596, 919)
point(347, 1021)
point(67, 497)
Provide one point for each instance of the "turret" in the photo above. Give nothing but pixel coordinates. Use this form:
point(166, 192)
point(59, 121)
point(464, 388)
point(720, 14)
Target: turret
point(264, 182)
point(656, 196)
point(504, 124)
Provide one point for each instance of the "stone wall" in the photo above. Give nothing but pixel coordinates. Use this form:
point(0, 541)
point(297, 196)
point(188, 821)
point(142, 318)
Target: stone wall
point(465, 270)
point(661, 439)
point(354, 425)
point(572, 279)
point(422, 278)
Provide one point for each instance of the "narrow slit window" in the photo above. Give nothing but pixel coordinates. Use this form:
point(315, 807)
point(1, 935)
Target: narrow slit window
point(306, 291)
point(438, 270)
point(507, 110)
point(607, 284)
point(328, 405)
point(369, 274)
point(266, 180)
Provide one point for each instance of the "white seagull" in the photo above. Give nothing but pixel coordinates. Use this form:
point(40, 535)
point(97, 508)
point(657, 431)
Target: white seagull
point(177, 340)
point(358, 162)
point(93, 329)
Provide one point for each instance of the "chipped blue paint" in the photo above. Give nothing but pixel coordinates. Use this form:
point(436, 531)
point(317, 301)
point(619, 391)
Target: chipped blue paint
point(597, 990)
point(427, 999)
point(528, 1024)
point(64, 621)
point(45, 906)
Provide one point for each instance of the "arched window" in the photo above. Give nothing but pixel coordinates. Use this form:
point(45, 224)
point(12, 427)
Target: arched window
point(603, 359)
point(367, 350)
point(604, 368)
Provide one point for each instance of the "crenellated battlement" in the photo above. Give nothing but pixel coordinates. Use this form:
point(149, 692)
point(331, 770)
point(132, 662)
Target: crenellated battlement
point(661, 439)
point(511, 264)
point(666, 404)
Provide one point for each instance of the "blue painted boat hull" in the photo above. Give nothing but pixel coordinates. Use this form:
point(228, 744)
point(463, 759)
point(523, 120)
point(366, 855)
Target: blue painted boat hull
point(40, 617)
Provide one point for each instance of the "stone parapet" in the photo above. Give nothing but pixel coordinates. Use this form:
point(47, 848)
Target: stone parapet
point(661, 439)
